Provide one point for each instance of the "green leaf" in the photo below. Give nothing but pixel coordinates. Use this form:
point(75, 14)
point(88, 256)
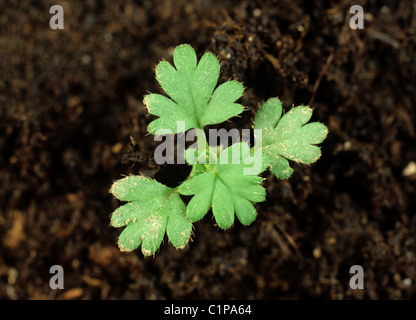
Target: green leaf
point(190, 87)
point(178, 227)
point(222, 205)
point(244, 210)
point(288, 137)
point(232, 186)
point(221, 107)
point(280, 167)
point(202, 186)
point(152, 210)
point(269, 114)
point(134, 188)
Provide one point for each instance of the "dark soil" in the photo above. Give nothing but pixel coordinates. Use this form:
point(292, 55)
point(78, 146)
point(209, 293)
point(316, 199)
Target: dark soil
point(71, 99)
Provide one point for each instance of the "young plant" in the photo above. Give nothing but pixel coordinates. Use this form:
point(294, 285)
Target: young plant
point(223, 179)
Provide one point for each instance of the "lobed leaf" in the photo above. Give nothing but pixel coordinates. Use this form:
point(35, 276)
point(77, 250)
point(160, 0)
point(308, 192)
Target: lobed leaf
point(152, 210)
point(288, 137)
point(190, 86)
point(226, 189)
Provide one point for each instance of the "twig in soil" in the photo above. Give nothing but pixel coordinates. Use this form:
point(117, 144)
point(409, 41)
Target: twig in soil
point(289, 238)
point(321, 75)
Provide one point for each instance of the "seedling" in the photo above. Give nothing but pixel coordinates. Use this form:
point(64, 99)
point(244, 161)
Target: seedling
point(224, 179)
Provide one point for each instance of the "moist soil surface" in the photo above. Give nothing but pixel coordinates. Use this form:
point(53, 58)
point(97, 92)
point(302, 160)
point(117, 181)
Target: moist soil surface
point(73, 121)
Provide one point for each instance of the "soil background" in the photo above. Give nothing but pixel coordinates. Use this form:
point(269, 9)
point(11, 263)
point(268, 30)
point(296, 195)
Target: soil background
point(70, 100)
